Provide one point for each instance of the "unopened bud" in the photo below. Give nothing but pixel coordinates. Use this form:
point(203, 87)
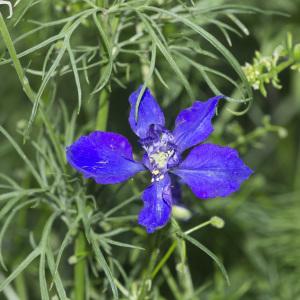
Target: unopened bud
point(282, 133)
point(72, 260)
point(217, 222)
point(181, 213)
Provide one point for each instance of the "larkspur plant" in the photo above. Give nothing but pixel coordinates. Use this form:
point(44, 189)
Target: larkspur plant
point(62, 237)
point(209, 170)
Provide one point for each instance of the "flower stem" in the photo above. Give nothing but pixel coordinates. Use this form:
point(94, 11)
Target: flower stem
point(80, 243)
point(147, 278)
point(198, 227)
point(15, 60)
point(103, 110)
point(164, 259)
point(79, 274)
point(281, 67)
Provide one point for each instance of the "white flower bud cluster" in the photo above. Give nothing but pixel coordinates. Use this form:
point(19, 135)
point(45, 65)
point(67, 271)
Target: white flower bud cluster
point(264, 70)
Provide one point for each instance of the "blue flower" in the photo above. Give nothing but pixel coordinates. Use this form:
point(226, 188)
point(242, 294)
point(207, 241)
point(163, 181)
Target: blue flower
point(209, 170)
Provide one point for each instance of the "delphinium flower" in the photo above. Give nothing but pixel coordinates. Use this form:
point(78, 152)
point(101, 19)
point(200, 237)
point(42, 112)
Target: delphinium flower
point(209, 170)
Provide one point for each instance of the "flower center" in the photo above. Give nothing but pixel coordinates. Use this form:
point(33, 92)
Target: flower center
point(161, 152)
point(160, 159)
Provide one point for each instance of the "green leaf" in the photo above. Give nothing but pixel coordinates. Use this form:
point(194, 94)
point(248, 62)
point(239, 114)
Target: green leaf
point(21, 267)
point(166, 53)
point(76, 75)
point(65, 242)
point(108, 70)
point(211, 39)
point(56, 277)
point(43, 247)
point(124, 245)
point(7, 221)
point(103, 264)
point(208, 252)
point(149, 75)
point(23, 156)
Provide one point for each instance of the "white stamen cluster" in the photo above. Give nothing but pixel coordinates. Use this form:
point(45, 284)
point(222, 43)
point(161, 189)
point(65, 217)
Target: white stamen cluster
point(159, 160)
point(157, 178)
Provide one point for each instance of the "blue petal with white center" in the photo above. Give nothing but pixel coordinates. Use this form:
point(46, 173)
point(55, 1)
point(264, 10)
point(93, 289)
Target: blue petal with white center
point(157, 205)
point(213, 171)
point(149, 113)
point(104, 156)
point(193, 125)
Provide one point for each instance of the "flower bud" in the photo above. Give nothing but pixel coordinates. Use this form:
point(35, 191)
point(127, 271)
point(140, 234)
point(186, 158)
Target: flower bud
point(181, 213)
point(217, 222)
point(72, 260)
point(282, 133)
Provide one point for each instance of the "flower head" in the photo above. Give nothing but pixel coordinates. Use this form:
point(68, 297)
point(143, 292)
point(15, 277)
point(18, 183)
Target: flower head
point(209, 170)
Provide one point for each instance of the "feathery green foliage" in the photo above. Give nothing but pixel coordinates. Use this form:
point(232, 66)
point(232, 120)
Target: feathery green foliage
point(64, 237)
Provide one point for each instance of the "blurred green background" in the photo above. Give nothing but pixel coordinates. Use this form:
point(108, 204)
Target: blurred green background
point(259, 244)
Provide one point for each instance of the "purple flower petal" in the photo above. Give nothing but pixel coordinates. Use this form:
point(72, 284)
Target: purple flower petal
point(175, 190)
point(104, 156)
point(213, 171)
point(149, 113)
point(193, 125)
point(157, 205)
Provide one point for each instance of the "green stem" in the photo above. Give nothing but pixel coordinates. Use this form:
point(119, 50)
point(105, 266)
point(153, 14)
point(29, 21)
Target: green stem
point(12, 52)
point(281, 67)
point(80, 243)
point(27, 88)
point(102, 115)
point(21, 287)
point(103, 107)
point(254, 135)
point(147, 278)
point(101, 3)
point(164, 259)
point(79, 274)
point(285, 65)
point(198, 227)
